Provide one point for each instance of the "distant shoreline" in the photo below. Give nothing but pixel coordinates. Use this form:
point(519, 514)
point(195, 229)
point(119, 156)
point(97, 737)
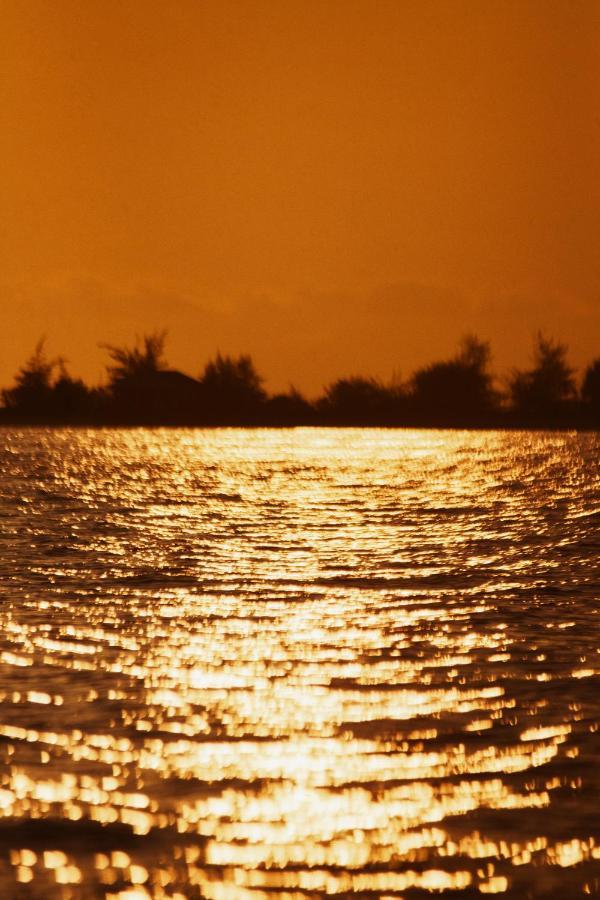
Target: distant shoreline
point(459, 393)
point(6, 423)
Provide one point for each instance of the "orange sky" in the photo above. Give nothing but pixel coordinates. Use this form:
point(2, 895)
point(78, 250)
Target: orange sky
point(335, 187)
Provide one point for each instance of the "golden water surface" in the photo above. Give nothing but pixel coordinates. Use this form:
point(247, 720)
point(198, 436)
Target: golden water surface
point(257, 665)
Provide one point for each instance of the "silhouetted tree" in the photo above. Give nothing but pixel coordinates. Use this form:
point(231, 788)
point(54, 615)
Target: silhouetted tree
point(145, 357)
point(355, 400)
point(141, 388)
point(590, 389)
point(71, 400)
point(544, 392)
point(32, 391)
point(45, 392)
point(232, 390)
point(289, 409)
point(456, 391)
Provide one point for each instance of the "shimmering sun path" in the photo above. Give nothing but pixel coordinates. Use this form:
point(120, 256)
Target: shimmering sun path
point(280, 665)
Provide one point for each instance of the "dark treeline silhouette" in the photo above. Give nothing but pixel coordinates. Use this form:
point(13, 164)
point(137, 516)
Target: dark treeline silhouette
point(459, 392)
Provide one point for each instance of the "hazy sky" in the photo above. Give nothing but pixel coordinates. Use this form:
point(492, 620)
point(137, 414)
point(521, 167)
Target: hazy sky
point(335, 187)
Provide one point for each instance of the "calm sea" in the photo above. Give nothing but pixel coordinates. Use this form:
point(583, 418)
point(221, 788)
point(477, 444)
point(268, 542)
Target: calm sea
point(257, 665)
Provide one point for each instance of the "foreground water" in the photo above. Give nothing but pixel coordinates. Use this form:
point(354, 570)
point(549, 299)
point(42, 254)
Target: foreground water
point(297, 664)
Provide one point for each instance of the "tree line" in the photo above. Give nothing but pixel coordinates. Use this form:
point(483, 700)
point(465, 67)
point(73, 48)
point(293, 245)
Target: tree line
point(459, 392)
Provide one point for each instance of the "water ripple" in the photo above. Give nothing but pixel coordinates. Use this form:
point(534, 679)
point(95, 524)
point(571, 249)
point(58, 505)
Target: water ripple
point(263, 665)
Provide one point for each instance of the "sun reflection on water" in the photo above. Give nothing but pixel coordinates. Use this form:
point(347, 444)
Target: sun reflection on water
point(298, 664)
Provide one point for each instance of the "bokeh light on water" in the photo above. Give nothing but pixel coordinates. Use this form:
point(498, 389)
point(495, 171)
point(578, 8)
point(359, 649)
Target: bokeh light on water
point(257, 665)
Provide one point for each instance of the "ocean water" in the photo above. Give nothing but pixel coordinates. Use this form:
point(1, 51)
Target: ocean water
point(257, 665)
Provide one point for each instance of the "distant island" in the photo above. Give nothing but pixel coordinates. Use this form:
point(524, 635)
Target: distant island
point(459, 392)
